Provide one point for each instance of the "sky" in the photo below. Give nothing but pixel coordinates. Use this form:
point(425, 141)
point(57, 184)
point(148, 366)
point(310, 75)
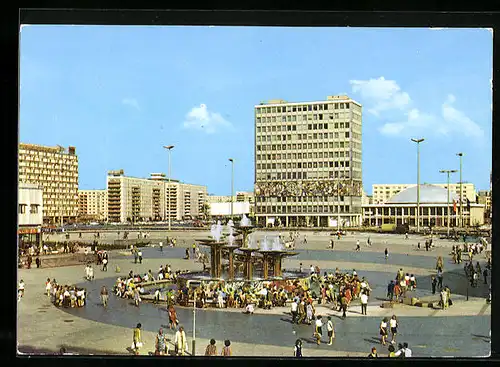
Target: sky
point(120, 93)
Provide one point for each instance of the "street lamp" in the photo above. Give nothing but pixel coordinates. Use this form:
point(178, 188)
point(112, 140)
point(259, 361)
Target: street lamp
point(448, 172)
point(460, 155)
point(232, 185)
point(193, 352)
point(418, 141)
point(169, 148)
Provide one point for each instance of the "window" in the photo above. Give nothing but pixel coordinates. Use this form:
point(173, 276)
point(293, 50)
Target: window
point(309, 107)
point(325, 106)
point(347, 134)
point(22, 208)
point(309, 127)
point(273, 109)
point(347, 125)
point(315, 107)
point(320, 116)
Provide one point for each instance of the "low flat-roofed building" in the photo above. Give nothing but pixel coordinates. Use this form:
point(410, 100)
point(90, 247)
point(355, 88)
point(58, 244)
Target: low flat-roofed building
point(434, 205)
point(30, 214)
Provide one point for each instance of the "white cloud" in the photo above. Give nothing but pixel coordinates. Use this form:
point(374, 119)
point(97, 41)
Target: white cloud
point(382, 94)
point(386, 95)
point(132, 102)
point(200, 118)
point(436, 28)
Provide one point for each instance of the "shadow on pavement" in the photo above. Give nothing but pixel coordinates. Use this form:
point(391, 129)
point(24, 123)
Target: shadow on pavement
point(28, 349)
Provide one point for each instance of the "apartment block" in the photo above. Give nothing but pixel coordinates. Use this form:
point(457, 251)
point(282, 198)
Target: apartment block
point(308, 163)
point(484, 197)
point(383, 192)
point(30, 214)
point(55, 169)
point(93, 205)
point(132, 199)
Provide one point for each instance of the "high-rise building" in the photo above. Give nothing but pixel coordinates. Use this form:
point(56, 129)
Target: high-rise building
point(383, 192)
point(308, 163)
point(132, 199)
point(93, 205)
point(56, 170)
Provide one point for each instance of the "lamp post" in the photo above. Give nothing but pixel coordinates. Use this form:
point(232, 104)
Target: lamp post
point(232, 185)
point(448, 172)
point(418, 141)
point(460, 155)
point(193, 352)
point(169, 148)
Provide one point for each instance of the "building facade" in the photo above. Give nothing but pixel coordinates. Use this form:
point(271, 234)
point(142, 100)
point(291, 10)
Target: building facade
point(383, 192)
point(308, 163)
point(242, 203)
point(132, 199)
point(30, 214)
point(92, 205)
point(56, 170)
point(434, 208)
point(484, 197)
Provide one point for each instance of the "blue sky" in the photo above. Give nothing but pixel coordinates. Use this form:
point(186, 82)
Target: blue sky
point(120, 93)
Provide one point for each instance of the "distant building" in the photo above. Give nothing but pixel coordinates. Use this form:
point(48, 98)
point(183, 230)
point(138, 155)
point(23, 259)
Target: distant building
point(484, 197)
point(402, 209)
point(30, 214)
point(243, 203)
point(383, 192)
point(56, 170)
point(93, 205)
point(132, 199)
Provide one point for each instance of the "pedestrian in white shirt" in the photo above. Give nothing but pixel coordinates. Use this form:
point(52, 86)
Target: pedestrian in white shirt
point(407, 351)
point(20, 291)
point(364, 302)
point(393, 324)
point(293, 311)
point(330, 329)
point(318, 329)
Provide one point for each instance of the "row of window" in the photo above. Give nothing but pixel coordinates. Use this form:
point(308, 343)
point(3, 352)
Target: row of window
point(297, 199)
point(302, 209)
point(295, 118)
point(309, 155)
point(297, 108)
point(324, 126)
point(305, 175)
point(33, 208)
point(274, 166)
point(300, 146)
point(313, 136)
point(408, 211)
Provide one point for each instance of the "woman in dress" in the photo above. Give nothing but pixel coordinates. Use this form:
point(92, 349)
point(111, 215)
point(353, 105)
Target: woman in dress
point(383, 331)
point(393, 323)
point(161, 346)
point(137, 343)
point(309, 312)
point(297, 349)
point(211, 349)
point(172, 317)
point(180, 342)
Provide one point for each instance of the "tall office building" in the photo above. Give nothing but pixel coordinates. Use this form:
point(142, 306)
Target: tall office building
point(56, 170)
point(383, 192)
point(308, 163)
point(93, 205)
point(132, 199)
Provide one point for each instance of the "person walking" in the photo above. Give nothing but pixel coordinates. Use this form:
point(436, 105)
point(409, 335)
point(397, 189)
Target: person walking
point(137, 341)
point(318, 330)
point(20, 290)
point(140, 256)
point(332, 244)
point(226, 349)
point(180, 342)
point(172, 317)
point(404, 351)
point(386, 253)
point(211, 349)
point(297, 349)
point(137, 297)
point(485, 275)
point(309, 312)
point(433, 284)
point(330, 329)
point(302, 312)
point(104, 296)
point(161, 246)
point(444, 300)
point(161, 346)
point(440, 278)
point(343, 303)
point(48, 286)
point(293, 310)
point(364, 302)
point(136, 256)
point(105, 264)
point(393, 324)
point(383, 331)
point(38, 262)
point(390, 290)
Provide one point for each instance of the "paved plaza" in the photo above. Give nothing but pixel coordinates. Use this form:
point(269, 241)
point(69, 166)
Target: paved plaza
point(461, 330)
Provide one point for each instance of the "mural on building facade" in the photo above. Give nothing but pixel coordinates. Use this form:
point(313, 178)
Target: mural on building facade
point(309, 188)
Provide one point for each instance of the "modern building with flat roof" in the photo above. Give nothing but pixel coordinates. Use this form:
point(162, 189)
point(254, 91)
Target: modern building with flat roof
point(92, 205)
point(30, 214)
point(56, 170)
point(434, 206)
point(132, 199)
point(383, 192)
point(308, 163)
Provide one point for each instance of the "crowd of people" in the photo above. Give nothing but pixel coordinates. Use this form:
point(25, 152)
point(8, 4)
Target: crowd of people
point(397, 288)
point(65, 295)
